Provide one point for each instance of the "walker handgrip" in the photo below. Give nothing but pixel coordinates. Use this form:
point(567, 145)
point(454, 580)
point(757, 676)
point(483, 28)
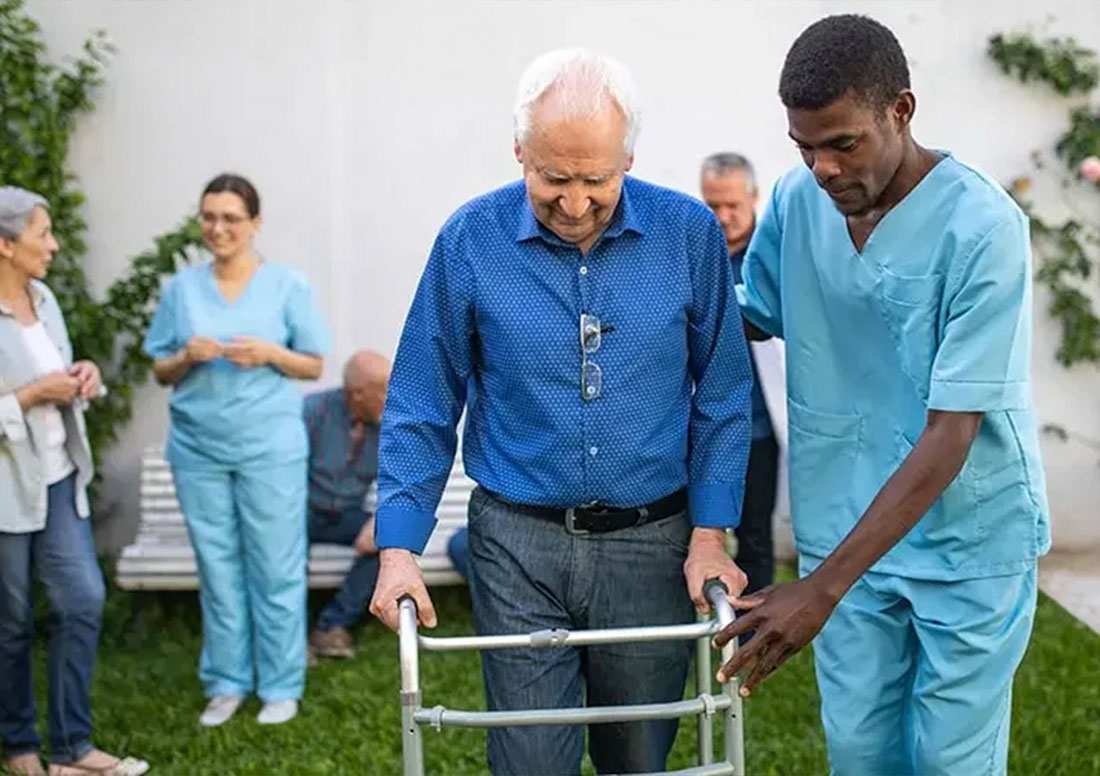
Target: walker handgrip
point(407, 645)
point(716, 593)
point(407, 613)
point(714, 587)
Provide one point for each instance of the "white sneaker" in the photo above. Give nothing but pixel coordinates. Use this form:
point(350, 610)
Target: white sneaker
point(219, 710)
point(277, 712)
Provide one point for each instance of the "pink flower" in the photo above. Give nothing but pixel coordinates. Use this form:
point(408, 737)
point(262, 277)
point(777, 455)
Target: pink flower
point(1090, 169)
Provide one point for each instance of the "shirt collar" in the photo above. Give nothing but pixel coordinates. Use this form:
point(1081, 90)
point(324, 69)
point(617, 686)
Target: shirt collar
point(625, 219)
point(38, 298)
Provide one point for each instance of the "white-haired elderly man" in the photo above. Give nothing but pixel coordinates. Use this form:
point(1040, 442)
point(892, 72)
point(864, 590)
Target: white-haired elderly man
point(595, 316)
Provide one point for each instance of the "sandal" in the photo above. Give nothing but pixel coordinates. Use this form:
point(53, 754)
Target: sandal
point(23, 765)
point(125, 766)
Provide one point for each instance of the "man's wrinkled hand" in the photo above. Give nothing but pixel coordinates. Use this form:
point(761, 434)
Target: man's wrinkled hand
point(708, 559)
point(399, 575)
point(783, 619)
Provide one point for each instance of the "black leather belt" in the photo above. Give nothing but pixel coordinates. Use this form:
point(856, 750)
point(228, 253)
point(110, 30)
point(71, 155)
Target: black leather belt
point(594, 518)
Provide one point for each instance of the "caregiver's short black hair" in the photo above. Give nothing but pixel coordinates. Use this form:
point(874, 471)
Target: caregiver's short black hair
point(842, 54)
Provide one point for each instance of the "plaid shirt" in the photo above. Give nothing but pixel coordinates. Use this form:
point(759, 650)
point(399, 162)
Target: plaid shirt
point(341, 470)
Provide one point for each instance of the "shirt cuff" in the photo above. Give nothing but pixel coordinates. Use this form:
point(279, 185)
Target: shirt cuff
point(967, 396)
point(715, 505)
point(403, 528)
point(12, 423)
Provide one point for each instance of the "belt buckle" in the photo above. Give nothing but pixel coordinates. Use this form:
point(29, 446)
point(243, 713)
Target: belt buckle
point(571, 523)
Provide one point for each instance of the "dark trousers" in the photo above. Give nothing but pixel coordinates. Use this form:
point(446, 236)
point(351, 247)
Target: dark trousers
point(530, 574)
point(755, 547)
point(350, 602)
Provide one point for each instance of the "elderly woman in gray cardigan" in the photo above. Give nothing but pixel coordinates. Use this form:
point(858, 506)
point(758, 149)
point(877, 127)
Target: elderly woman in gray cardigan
point(45, 465)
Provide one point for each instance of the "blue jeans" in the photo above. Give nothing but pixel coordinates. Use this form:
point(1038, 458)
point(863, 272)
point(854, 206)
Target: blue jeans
point(349, 603)
point(529, 574)
point(62, 555)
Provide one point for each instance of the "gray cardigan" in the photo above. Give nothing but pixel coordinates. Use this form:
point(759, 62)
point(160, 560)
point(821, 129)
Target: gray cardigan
point(22, 481)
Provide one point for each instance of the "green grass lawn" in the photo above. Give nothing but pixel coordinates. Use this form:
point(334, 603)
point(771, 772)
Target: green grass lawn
point(147, 701)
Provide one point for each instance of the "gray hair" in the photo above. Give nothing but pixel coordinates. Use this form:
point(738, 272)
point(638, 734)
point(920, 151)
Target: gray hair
point(583, 80)
point(726, 163)
point(16, 207)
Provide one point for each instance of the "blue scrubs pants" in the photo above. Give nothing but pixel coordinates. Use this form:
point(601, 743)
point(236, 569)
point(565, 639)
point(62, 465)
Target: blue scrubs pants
point(916, 676)
point(248, 528)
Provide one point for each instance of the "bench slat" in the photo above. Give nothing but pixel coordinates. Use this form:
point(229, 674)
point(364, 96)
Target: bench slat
point(161, 557)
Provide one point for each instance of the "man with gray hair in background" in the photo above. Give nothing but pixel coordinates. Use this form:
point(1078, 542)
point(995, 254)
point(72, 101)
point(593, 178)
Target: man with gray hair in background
point(609, 427)
point(728, 185)
point(342, 424)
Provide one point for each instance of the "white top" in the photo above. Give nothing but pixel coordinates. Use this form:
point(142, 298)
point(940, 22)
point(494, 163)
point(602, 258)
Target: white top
point(57, 465)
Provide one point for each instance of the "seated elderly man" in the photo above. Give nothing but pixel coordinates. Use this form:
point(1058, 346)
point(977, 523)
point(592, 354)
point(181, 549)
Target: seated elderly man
point(343, 428)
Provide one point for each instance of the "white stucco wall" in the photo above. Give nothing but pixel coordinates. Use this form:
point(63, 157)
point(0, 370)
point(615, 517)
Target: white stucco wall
point(366, 123)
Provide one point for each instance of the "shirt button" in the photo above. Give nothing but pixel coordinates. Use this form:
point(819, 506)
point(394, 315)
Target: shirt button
point(584, 270)
point(593, 450)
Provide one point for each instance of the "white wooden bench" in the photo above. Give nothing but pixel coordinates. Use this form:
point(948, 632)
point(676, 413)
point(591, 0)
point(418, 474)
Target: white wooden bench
point(161, 557)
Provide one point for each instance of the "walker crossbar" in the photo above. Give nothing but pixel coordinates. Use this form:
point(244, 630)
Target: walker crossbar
point(705, 706)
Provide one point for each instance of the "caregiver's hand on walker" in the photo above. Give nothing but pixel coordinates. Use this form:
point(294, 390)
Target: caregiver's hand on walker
point(783, 618)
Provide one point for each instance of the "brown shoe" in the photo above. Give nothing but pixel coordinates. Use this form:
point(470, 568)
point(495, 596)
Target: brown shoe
point(24, 765)
point(335, 642)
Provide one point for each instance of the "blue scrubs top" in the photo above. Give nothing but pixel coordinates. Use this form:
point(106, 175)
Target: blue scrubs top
point(761, 419)
point(933, 313)
point(225, 416)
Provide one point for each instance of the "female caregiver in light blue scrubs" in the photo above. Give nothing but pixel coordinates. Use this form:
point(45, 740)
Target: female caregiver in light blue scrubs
point(231, 336)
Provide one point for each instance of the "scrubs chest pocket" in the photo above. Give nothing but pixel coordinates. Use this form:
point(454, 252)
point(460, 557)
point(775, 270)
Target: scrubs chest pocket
point(823, 450)
point(910, 305)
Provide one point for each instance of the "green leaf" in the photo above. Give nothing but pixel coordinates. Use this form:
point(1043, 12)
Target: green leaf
point(40, 104)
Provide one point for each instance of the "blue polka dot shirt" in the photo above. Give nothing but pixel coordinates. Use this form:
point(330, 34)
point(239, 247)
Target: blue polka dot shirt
point(495, 329)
